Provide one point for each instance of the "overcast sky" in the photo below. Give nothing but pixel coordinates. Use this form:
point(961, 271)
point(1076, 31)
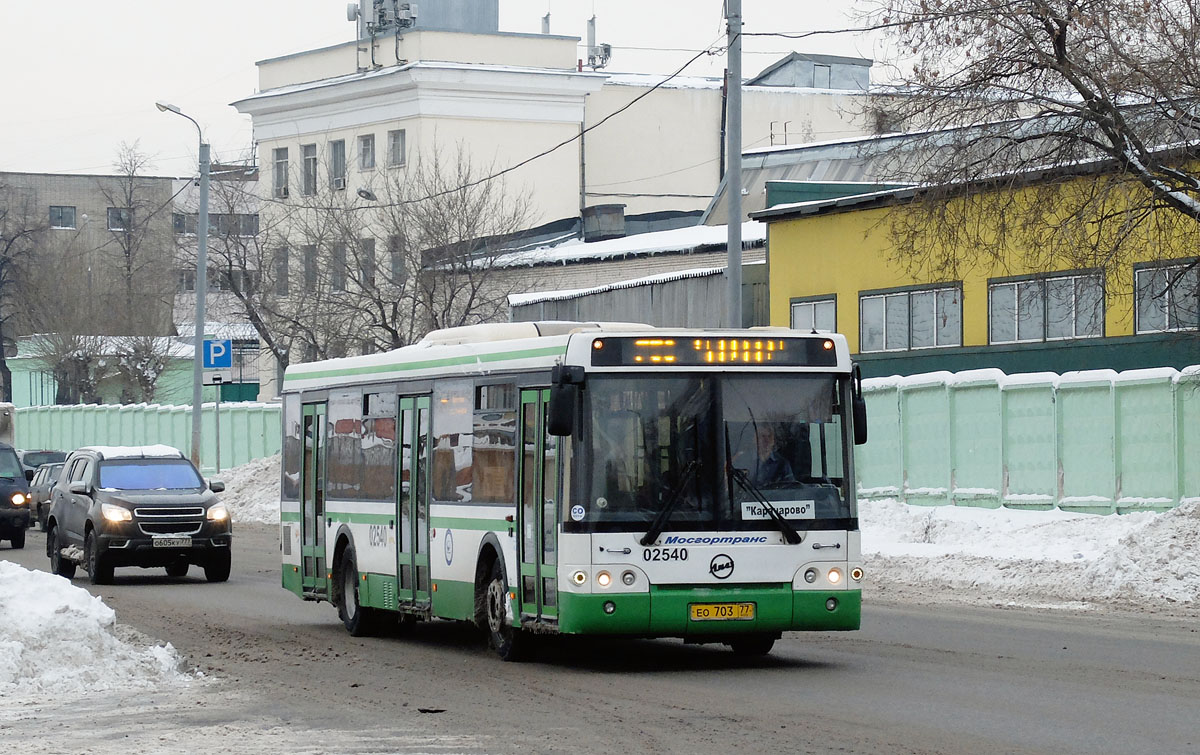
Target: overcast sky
point(82, 76)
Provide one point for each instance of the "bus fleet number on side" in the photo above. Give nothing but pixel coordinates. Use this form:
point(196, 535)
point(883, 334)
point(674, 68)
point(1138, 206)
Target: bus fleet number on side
point(664, 554)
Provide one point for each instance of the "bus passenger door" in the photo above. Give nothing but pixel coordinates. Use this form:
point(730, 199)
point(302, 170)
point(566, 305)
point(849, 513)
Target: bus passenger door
point(412, 538)
point(312, 500)
point(537, 509)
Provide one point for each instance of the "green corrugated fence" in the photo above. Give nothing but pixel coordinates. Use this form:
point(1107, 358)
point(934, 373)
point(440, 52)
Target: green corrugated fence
point(1096, 441)
point(249, 430)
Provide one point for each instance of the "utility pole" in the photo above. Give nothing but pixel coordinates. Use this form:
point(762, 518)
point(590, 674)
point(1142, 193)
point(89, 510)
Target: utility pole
point(733, 151)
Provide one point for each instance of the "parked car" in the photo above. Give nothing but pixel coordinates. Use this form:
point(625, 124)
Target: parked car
point(14, 498)
point(141, 506)
point(31, 460)
point(39, 490)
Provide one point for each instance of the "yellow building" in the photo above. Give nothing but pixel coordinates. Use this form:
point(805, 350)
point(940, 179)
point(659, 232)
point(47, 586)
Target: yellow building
point(831, 266)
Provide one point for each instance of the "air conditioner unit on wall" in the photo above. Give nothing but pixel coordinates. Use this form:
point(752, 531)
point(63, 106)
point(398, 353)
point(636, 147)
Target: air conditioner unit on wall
point(339, 183)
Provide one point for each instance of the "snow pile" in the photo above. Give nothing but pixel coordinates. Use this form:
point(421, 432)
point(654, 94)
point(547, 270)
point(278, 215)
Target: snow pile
point(990, 556)
point(252, 491)
point(57, 639)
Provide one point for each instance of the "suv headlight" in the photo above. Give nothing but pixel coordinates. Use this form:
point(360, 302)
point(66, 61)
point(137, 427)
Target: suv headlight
point(19, 499)
point(218, 513)
point(115, 513)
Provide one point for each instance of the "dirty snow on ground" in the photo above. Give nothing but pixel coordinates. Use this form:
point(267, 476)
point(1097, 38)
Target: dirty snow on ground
point(964, 554)
point(57, 639)
point(252, 491)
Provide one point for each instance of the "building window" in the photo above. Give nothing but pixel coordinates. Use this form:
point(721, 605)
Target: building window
point(337, 267)
point(280, 155)
point(337, 164)
point(62, 216)
point(396, 147)
point(308, 152)
point(1046, 309)
point(821, 76)
point(819, 315)
point(366, 252)
point(1167, 297)
point(119, 219)
point(187, 279)
point(396, 257)
point(366, 152)
point(310, 265)
point(915, 319)
point(281, 271)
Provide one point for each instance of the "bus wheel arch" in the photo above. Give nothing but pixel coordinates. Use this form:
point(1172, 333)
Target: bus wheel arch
point(489, 554)
point(359, 620)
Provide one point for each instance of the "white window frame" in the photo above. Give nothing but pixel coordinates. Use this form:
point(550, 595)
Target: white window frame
point(337, 164)
point(308, 153)
point(1169, 296)
point(1042, 301)
point(907, 295)
point(60, 208)
point(807, 311)
point(280, 160)
point(397, 148)
point(366, 151)
point(125, 218)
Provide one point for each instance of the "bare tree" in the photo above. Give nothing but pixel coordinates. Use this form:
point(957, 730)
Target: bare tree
point(21, 228)
point(138, 246)
point(1026, 97)
point(333, 272)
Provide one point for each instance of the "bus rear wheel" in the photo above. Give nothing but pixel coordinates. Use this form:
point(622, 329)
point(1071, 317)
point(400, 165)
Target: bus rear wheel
point(508, 641)
point(752, 645)
point(359, 621)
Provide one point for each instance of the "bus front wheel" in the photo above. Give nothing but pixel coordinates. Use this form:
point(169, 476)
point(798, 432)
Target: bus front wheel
point(508, 641)
point(359, 621)
point(753, 645)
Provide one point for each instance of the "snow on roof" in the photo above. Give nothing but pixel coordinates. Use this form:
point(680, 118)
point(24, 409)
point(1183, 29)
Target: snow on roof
point(111, 345)
point(516, 300)
point(136, 452)
point(691, 239)
point(237, 331)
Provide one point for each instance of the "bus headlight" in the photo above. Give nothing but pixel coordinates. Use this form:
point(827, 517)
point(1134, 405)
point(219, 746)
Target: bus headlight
point(115, 513)
point(835, 576)
point(579, 577)
point(604, 579)
point(19, 499)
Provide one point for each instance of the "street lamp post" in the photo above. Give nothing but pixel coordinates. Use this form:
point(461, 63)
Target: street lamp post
point(201, 285)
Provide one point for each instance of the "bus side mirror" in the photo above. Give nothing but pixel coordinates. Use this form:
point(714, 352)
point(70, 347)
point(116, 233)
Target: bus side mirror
point(564, 397)
point(858, 407)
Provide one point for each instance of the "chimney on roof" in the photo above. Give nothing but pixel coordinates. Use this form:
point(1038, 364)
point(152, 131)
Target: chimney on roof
point(603, 221)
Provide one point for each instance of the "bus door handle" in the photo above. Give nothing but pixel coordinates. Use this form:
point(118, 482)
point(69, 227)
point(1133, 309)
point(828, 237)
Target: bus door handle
point(819, 546)
point(622, 551)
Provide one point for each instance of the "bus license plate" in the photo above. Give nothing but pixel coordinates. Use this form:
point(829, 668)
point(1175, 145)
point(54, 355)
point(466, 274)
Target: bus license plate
point(172, 542)
point(721, 611)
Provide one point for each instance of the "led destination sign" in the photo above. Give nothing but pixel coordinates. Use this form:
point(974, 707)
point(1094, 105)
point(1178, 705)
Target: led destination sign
point(628, 351)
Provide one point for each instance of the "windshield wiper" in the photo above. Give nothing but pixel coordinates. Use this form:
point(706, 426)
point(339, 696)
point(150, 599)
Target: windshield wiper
point(660, 521)
point(789, 532)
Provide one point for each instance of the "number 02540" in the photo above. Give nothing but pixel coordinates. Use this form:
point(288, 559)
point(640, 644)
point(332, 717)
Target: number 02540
point(721, 611)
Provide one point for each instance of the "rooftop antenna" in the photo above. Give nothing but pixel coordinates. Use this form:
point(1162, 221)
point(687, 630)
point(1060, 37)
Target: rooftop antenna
point(546, 23)
point(598, 55)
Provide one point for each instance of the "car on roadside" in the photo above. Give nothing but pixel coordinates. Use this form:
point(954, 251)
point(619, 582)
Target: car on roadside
point(141, 506)
point(14, 498)
point(39, 491)
point(31, 459)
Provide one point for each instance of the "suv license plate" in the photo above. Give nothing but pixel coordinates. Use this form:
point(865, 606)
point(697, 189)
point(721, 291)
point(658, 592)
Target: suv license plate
point(721, 611)
point(172, 542)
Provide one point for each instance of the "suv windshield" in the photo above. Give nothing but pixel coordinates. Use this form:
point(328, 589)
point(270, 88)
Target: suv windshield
point(146, 474)
point(723, 443)
point(10, 465)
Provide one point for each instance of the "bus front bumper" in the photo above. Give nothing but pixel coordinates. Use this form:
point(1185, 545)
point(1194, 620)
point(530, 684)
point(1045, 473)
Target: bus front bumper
point(666, 611)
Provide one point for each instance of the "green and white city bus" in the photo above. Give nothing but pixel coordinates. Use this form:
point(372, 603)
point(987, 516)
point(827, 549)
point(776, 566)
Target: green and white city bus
point(580, 478)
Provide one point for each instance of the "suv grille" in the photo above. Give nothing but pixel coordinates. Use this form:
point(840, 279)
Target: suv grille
point(170, 520)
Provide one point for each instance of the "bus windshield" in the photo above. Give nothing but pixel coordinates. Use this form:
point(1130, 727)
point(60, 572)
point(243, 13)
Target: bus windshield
point(719, 452)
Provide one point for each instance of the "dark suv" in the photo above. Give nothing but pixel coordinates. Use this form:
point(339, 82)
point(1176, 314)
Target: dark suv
point(136, 506)
point(14, 497)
